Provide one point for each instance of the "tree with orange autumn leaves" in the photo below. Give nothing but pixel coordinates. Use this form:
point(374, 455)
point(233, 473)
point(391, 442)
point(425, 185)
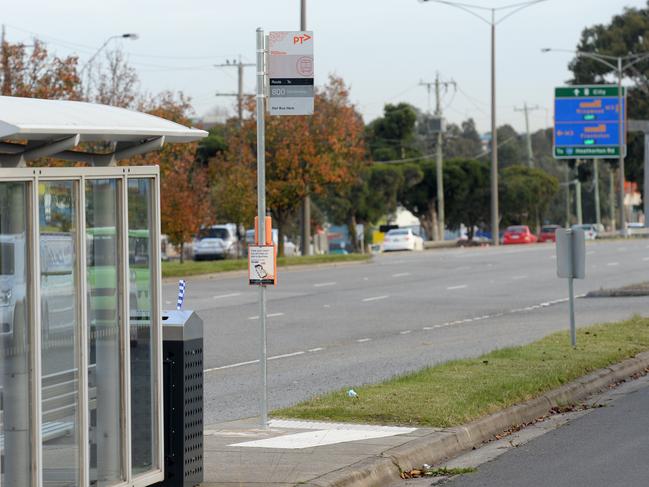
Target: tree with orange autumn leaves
point(304, 155)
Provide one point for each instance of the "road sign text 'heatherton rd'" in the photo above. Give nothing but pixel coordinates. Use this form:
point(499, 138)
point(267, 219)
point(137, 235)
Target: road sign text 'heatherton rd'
point(290, 73)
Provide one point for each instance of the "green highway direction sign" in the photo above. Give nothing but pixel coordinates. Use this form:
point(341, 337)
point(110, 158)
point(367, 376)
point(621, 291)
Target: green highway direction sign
point(587, 122)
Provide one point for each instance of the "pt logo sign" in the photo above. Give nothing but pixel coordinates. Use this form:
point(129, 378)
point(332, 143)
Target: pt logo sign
point(301, 39)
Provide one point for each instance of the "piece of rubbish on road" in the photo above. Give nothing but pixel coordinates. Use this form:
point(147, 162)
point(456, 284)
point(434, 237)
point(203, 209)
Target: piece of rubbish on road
point(352, 393)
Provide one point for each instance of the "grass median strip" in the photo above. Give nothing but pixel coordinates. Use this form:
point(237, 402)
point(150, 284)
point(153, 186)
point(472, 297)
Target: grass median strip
point(460, 391)
point(192, 268)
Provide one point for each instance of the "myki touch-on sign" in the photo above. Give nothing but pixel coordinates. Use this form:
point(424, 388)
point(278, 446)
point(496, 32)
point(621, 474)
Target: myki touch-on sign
point(290, 73)
point(587, 122)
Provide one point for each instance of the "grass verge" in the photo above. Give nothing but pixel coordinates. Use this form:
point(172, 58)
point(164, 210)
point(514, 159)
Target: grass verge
point(192, 268)
point(460, 391)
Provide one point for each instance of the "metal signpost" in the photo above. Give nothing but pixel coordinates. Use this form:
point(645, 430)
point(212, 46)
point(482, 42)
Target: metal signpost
point(588, 122)
point(290, 79)
point(571, 264)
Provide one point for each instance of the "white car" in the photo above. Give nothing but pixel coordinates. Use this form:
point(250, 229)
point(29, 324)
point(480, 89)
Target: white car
point(402, 239)
point(590, 232)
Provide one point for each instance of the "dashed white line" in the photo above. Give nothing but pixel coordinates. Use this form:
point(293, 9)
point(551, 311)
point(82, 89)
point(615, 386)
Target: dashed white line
point(405, 332)
point(271, 315)
point(325, 284)
point(317, 349)
point(401, 274)
point(461, 286)
point(222, 296)
point(286, 355)
point(426, 328)
point(363, 340)
point(375, 298)
point(232, 366)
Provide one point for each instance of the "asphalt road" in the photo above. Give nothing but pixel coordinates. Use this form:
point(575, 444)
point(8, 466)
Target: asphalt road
point(605, 448)
point(335, 327)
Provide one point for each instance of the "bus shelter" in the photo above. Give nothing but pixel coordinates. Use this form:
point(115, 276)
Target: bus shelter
point(80, 308)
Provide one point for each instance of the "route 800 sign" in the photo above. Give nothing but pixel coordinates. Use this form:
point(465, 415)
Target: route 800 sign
point(290, 73)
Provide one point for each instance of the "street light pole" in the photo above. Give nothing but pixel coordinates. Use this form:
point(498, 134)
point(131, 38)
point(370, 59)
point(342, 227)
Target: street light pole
point(492, 21)
point(128, 35)
point(495, 213)
point(621, 146)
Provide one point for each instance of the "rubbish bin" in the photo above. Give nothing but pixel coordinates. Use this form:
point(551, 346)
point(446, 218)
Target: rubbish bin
point(182, 335)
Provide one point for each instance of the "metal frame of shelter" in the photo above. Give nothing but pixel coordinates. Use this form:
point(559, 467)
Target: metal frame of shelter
point(61, 428)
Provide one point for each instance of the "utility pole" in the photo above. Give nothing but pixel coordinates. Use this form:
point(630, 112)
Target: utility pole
point(306, 203)
point(239, 94)
point(527, 110)
point(439, 159)
point(598, 211)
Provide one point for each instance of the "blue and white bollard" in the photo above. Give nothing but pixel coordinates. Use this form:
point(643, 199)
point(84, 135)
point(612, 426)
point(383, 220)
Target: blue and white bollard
point(181, 294)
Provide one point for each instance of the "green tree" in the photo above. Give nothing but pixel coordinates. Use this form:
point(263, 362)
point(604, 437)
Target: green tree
point(526, 194)
point(466, 194)
point(392, 136)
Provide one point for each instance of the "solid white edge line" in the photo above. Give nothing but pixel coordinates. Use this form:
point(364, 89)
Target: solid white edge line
point(461, 286)
point(363, 340)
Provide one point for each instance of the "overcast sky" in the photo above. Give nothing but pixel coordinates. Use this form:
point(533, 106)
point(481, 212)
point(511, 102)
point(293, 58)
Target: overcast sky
point(381, 48)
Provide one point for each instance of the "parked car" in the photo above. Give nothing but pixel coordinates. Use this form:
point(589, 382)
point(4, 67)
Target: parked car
point(548, 233)
point(518, 234)
point(402, 239)
point(290, 249)
point(635, 228)
point(590, 232)
point(216, 242)
point(339, 248)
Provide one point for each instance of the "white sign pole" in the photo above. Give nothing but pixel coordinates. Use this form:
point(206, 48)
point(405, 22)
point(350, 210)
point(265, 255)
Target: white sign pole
point(261, 214)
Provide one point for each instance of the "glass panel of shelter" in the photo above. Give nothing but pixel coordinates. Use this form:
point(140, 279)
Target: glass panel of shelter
point(15, 353)
point(59, 218)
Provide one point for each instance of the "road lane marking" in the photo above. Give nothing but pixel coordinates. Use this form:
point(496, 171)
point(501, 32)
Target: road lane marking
point(325, 284)
point(611, 264)
point(405, 332)
point(271, 315)
point(231, 366)
point(286, 355)
point(317, 349)
point(363, 340)
point(321, 434)
point(401, 274)
point(375, 298)
point(222, 296)
point(461, 286)
point(326, 306)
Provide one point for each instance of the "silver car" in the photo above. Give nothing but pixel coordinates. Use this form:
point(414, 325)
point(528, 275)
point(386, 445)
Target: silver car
point(216, 242)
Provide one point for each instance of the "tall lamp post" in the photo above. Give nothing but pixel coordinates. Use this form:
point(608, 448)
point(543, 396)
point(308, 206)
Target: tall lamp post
point(619, 64)
point(492, 20)
point(128, 35)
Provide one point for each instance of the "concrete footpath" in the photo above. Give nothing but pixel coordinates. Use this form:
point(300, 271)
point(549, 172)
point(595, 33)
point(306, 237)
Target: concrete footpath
point(320, 454)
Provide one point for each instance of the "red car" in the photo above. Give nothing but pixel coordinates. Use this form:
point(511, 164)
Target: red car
point(548, 233)
point(518, 234)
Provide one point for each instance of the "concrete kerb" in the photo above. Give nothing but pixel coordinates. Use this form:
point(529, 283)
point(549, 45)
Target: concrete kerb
point(440, 446)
